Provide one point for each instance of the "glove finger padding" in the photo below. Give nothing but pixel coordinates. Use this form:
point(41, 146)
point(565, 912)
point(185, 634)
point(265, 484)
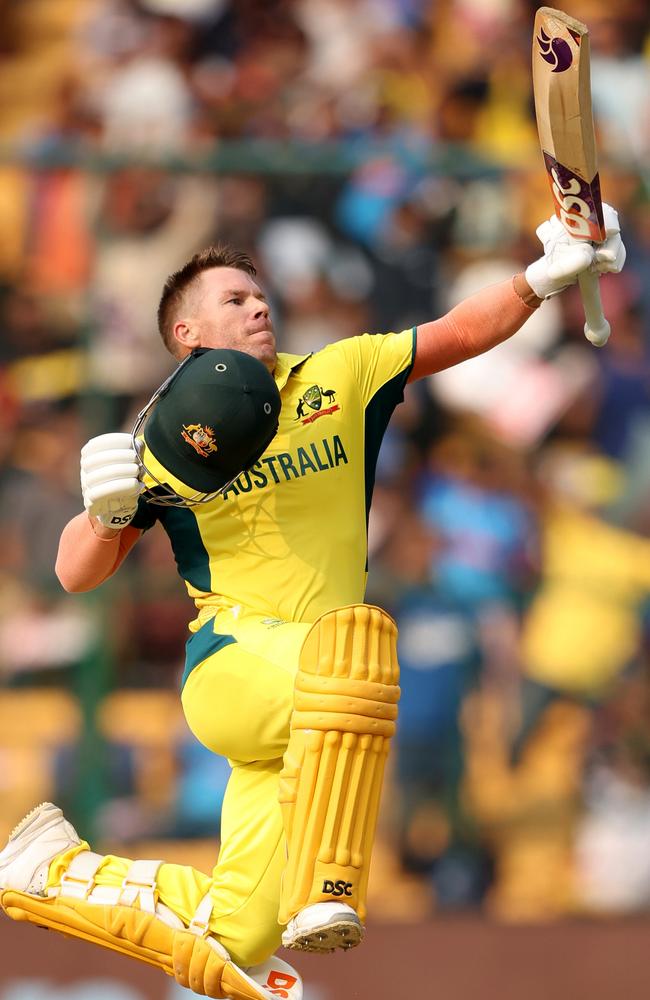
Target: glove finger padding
point(119, 491)
point(109, 479)
point(109, 456)
point(610, 256)
point(610, 218)
point(107, 442)
point(568, 260)
point(124, 474)
point(547, 231)
point(564, 259)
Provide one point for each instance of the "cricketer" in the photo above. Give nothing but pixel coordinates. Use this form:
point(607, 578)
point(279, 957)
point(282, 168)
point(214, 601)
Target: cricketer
point(260, 468)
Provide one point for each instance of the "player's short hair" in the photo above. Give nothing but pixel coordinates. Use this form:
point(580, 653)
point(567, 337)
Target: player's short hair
point(177, 284)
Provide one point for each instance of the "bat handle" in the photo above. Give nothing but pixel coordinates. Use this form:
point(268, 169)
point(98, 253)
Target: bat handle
point(597, 328)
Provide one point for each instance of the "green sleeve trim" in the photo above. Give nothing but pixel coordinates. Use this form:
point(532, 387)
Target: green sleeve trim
point(377, 417)
point(201, 645)
point(145, 516)
point(189, 550)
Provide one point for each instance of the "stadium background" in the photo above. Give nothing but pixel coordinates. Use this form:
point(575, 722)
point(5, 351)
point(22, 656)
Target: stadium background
point(379, 160)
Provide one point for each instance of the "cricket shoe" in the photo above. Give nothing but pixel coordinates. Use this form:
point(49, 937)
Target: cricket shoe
point(32, 845)
point(323, 927)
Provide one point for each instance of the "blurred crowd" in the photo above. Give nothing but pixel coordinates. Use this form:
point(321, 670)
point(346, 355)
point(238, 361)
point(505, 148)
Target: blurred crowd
point(379, 160)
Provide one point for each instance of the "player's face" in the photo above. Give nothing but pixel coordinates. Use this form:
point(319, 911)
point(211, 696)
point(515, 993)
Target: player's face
point(226, 308)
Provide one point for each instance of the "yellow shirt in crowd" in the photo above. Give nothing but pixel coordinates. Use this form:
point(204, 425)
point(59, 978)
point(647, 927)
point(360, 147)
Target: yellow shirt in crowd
point(584, 626)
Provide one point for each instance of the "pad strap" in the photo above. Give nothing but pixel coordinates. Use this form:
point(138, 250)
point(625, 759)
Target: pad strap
point(200, 922)
point(78, 881)
point(138, 885)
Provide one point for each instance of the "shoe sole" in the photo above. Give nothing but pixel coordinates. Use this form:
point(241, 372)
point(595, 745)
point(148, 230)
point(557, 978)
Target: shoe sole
point(30, 818)
point(339, 933)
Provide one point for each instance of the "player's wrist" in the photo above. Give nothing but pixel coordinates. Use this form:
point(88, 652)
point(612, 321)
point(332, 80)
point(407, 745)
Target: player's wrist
point(544, 280)
point(101, 530)
point(537, 278)
point(525, 292)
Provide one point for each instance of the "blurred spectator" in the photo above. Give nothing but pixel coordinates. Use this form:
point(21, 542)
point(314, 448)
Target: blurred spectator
point(581, 634)
point(620, 67)
point(526, 809)
point(146, 104)
point(439, 658)
point(39, 494)
point(149, 222)
point(612, 869)
point(41, 629)
point(613, 408)
point(473, 495)
point(585, 625)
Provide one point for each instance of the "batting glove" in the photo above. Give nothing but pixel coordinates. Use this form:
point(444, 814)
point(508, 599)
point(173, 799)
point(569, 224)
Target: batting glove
point(109, 479)
point(610, 255)
point(564, 259)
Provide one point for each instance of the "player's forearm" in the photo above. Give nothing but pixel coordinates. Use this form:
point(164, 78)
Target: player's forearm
point(89, 554)
point(480, 322)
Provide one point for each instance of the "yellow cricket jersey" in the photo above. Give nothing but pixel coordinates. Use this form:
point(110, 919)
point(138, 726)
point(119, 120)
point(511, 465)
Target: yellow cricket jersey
point(289, 538)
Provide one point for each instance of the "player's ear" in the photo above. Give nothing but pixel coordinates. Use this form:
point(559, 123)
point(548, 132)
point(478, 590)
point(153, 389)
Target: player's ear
point(186, 334)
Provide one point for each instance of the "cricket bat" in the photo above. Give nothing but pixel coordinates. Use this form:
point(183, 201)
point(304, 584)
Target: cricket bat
point(562, 89)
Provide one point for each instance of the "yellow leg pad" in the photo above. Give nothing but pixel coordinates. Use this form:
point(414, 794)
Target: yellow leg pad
point(140, 935)
point(345, 708)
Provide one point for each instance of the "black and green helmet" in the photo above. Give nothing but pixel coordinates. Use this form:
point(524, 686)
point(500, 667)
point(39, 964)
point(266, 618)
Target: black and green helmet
point(209, 422)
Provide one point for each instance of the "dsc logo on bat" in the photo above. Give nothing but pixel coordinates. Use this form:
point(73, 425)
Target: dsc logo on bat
point(574, 211)
point(577, 202)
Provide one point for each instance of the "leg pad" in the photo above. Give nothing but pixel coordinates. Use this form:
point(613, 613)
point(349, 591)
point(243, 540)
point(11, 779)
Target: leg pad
point(138, 934)
point(344, 716)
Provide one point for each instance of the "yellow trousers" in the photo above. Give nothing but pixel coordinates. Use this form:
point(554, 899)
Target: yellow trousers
point(237, 700)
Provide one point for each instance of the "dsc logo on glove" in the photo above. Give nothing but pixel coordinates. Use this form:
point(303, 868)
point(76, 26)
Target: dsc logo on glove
point(339, 888)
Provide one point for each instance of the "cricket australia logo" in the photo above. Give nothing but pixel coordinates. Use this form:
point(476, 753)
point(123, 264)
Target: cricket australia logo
point(313, 399)
point(200, 438)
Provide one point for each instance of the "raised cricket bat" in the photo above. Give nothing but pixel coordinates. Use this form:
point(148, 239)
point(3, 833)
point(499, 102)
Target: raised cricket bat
point(562, 89)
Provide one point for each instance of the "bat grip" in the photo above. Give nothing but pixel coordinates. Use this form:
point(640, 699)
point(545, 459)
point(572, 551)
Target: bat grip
point(597, 328)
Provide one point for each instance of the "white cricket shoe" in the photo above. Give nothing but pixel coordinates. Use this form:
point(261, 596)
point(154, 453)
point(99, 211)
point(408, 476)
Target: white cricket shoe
point(278, 978)
point(33, 844)
point(323, 927)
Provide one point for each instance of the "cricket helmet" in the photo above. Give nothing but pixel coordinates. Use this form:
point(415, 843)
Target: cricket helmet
point(207, 423)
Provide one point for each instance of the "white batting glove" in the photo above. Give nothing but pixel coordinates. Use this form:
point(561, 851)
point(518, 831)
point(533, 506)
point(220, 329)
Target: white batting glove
point(109, 479)
point(610, 255)
point(564, 259)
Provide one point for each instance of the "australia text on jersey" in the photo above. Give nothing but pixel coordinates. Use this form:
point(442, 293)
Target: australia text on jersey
point(285, 466)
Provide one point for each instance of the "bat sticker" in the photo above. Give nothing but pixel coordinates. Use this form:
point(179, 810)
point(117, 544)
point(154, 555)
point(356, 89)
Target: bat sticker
point(578, 203)
point(555, 51)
